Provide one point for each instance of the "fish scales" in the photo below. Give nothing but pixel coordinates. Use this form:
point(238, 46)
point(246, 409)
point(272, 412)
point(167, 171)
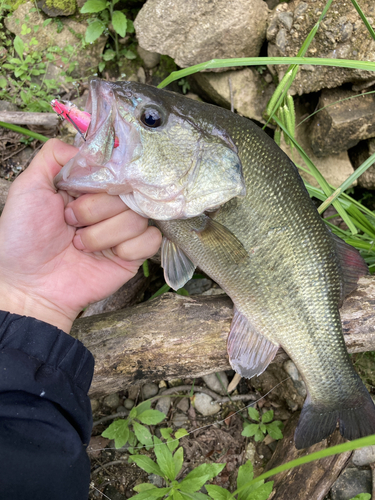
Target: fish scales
point(232, 203)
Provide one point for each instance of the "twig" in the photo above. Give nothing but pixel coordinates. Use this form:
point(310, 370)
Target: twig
point(114, 462)
point(14, 153)
point(216, 397)
point(110, 417)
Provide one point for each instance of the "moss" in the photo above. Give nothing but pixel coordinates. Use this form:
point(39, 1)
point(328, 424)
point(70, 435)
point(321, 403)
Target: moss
point(68, 6)
point(14, 4)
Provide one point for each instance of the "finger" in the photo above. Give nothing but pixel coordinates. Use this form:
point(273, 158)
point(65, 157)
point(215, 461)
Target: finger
point(142, 247)
point(111, 232)
point(66, 197)
point(89, 209)
point(47, 164)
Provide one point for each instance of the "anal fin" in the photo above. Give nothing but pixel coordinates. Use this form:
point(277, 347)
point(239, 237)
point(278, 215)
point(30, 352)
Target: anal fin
point(178, 268)
point(249, 351)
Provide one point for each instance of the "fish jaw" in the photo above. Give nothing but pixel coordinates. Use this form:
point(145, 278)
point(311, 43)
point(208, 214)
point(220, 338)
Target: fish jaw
point(175, 171)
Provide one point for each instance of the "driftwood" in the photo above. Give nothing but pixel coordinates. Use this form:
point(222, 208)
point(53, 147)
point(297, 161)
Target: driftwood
point(22, 118)
point(181, 337)
point(313, 480)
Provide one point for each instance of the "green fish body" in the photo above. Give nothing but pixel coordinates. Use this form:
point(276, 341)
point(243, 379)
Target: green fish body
point(229, 201)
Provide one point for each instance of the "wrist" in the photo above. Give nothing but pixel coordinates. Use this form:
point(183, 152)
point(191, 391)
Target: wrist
point(17, 301)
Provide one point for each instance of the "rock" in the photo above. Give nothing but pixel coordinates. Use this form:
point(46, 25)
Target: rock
point(48, 36)
point(198, 286)
point(133, 392)
point(113, 493)
point(141, 75)
point(155, 480)
point(294, 374)
point(163, 404)
point(128, 403)
point(358, 155)
point(148, 391)
point(150, 59)
point(94, 405)
point(55, 8)
point(163, 384)
point(112, 400)
point(202, 403)
point(122, 409)
point(175, 382)
point(8, 106)
point(250, 452)
point(183, 405)
point(179, 419)
point(341, 125)
point(364, 456)
point(335, 168)
point(214, 384)
point(194, 32)
point(350, 483)
point(341, 35)
point(250, 90)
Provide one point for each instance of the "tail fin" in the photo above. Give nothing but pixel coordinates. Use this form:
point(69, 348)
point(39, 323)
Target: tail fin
point(356, 419)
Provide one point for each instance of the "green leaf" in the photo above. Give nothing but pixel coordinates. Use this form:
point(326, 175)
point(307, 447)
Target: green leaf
point(147, 464)
point(274, 431)
point(8, 66)
point(109, 55)
point(3, 83)
point(130, 26)
point(146, 405)
point(155, 493)
point(151, 417)
point(258, 436)
point(362, 496)
point(261, 493)
point(166, 432)
point(263, 428)
point(172, 443)
point(92, 6)
point(245, 474)
point(164, 459)
point(181, 433)
point(129, 54)
point(101, 66)
point(143, 434)
point(195, 484)
point(267, 417)
point(177, 496)
point(211, 469)
point(46, 22)
point(19, 72)
point(196, 496)
point(143, 487)
point(93, 32)
point(250, 430)
point(178, 459)
point(182, 291)
point(133, 413)
point(119, 431)
point(217, 492)
point(119, 22)
point(253, 413)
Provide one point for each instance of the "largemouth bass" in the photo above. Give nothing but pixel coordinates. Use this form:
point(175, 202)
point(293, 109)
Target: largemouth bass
point(228, 200)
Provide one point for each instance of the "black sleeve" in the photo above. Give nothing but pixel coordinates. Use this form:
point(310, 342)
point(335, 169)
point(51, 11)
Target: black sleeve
point(45, 413)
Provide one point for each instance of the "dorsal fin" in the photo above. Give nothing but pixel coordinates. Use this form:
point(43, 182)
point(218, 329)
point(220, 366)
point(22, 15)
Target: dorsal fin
point(249, 351)
point(178, 268)
point(352, 266)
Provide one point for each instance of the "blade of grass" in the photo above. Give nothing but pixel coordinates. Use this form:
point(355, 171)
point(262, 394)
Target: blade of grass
point(328, 452)
point(161, 290)
point(364, 19)
point(24, 131)
point(257, 61)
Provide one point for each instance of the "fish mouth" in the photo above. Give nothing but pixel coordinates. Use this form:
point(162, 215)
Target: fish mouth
point(97, 165)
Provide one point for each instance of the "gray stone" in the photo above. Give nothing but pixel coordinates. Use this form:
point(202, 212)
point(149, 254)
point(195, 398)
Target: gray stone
point(250, 91)
point(175, 382)
point(149, 390)
point(342, 35)
point(156, 480)
point(335, 168)
point(213, 383)
point(205, 404)
point(150, 59)
point(183, 405)
point(358, 155)
point(341, 123)
point(128, 403)
point(112, 400)
point(350, 483)
point(141, 75)
point(94, 405)
point(194, 32)
point(53, 8)
point(250, 452)
point(8, 106)
point(122, 409)
point(163, 404)
point(364, 456)
point(198, 286)
point(48, 36)
point(179, 419)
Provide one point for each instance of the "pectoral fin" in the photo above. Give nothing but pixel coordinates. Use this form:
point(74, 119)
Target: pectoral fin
point(249, 351)
point(215, 235)
point(178, 268)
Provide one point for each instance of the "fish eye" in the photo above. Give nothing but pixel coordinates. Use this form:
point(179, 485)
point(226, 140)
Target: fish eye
point(151, 118)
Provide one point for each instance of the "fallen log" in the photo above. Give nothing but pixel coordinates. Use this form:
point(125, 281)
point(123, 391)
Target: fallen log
point(174, 336)
point(30, 118)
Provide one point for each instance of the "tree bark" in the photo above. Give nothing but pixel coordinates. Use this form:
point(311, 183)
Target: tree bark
point(174, 336)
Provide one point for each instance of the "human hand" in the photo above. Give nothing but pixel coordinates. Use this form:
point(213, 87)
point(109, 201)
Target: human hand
point(51, 267)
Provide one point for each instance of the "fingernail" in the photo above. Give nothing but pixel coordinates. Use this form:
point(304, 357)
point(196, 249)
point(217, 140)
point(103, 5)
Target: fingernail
point(114, 251)
point(70, 217)
point(77, 242)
